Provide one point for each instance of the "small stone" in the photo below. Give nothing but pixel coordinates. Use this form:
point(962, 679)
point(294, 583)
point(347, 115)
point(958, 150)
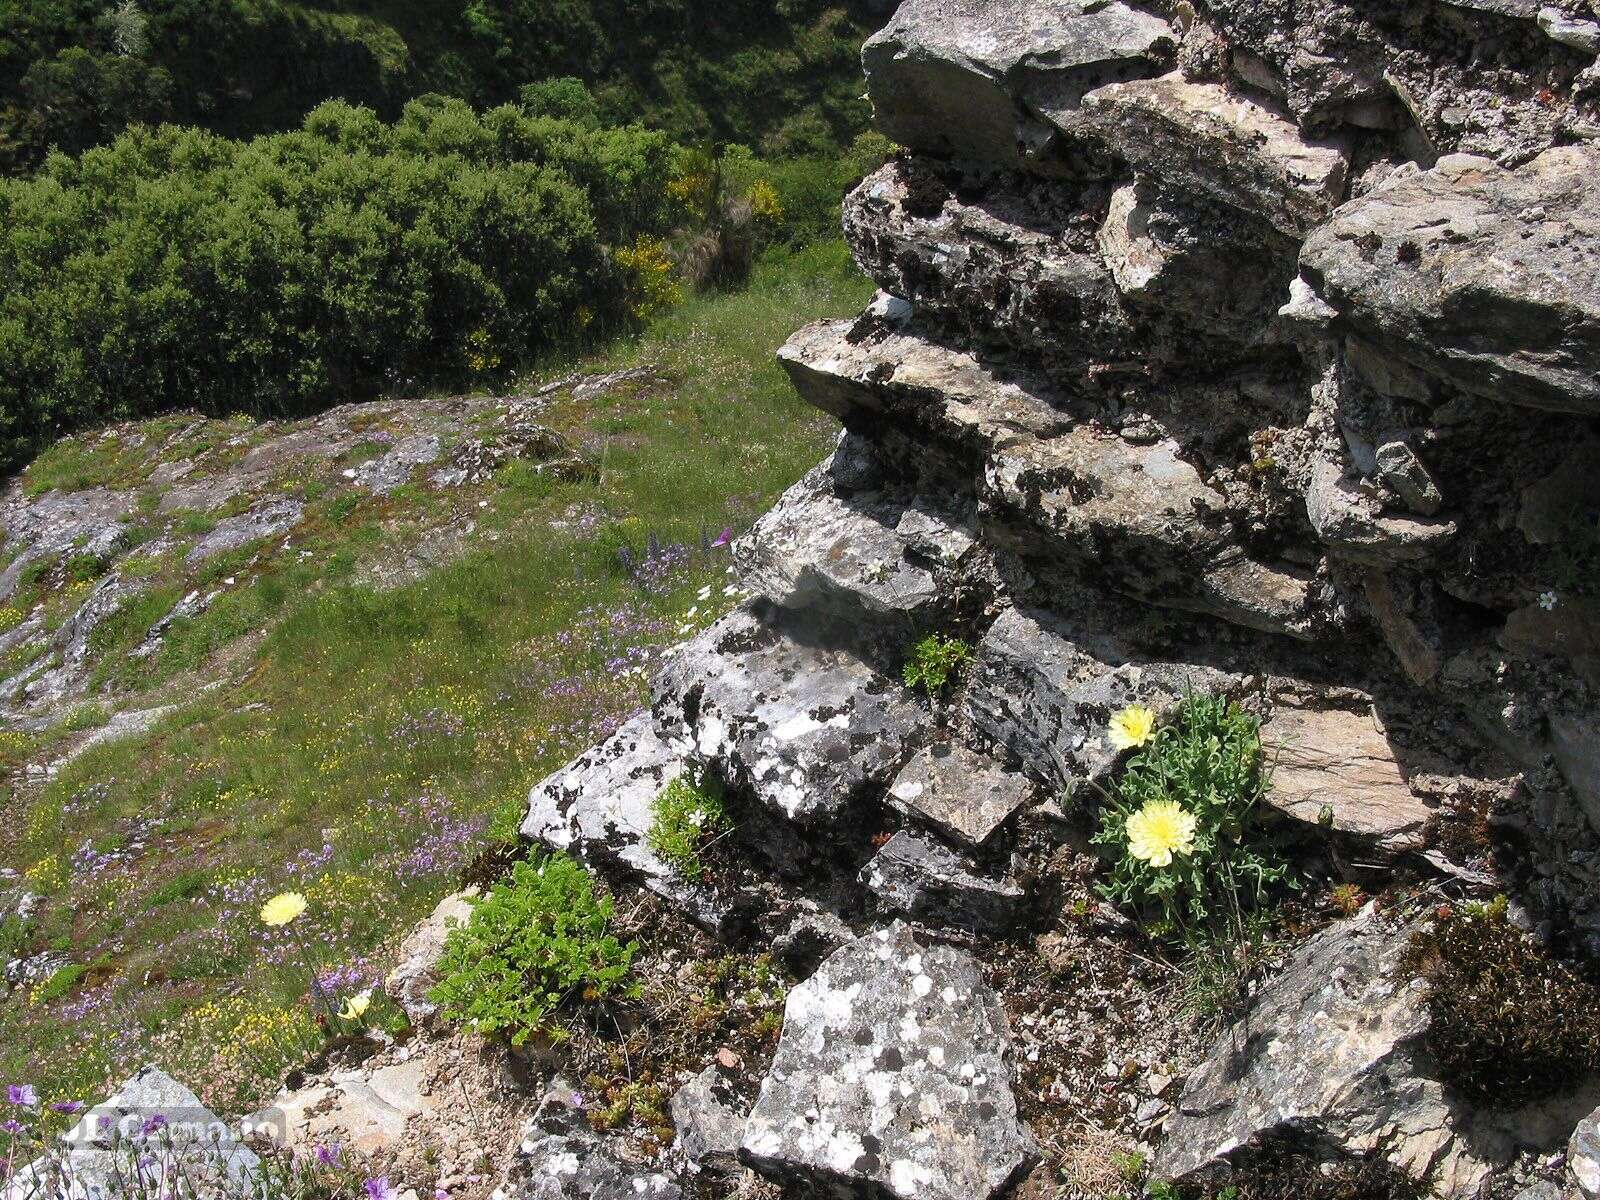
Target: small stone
point(1583, 1156)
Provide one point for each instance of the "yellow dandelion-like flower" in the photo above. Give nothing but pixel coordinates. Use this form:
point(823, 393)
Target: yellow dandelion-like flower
point(1159, 830)
point(356, 1006)
point(280, 910)
point(1133, 726)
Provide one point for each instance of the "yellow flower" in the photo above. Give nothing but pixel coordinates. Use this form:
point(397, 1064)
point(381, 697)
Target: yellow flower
point(280, 910)
point(356, 1007)
point(1133, 726)
point(1159, 830)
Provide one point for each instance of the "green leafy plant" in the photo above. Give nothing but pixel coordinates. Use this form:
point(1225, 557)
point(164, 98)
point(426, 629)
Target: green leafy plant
point(540, 941)
point(689, 817)
point(934, 662)
point(1576, 555)
point(1511, 1022)
point(1181, 825)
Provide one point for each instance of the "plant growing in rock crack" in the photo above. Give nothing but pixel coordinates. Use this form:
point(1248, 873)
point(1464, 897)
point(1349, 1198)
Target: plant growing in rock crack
point(1180, 825)
point(934, 662)
point(1575, 557)
point(538, 942)
point(689, 817)
point(1511, 1022)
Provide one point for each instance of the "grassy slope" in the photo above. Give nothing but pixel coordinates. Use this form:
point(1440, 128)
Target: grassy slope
point(375, 737)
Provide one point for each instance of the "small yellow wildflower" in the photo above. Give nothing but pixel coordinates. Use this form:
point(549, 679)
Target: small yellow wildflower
point(356, 1006)
point(1133, 726)
point(280, 910)
point(1159, 830)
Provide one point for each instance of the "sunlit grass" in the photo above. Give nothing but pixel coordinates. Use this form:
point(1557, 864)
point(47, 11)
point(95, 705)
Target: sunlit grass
point(363, 748)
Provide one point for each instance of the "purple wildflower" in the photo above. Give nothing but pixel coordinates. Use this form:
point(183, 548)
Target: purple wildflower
point(154, 1124)
point(11, 1125)
point(23, 1094)
point(380, 1189)
point(68, 1107)
point(724, 537)
point(329, 1155)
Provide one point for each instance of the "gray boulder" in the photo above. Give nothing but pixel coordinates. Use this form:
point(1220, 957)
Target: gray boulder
point(151, 1106)
point(599, 807)
point(892, 1079)
point(804, 726)
point(919, 877)
point(265, 520)
point(1353, 525)
point(959, 78)
point(865, 556)
point(1335, 1049)
point(1484, 277)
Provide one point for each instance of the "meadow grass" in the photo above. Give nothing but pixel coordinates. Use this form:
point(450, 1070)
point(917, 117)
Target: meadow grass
point(368, 743)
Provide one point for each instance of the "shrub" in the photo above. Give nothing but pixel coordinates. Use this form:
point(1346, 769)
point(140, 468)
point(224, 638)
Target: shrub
point(1180, 825)
point(540, 941)
point(300, 269)
point(934, 662)
point(1511, 1022)
point(688, 818)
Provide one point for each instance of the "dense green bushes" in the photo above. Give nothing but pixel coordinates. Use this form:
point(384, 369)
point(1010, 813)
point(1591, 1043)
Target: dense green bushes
point(175, 268)
point(780, 75)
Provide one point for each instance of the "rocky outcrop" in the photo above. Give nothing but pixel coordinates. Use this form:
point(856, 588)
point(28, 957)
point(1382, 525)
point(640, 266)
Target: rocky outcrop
point(892, 1079)
point(561, 1158)
point(1336, 1048)
point(1238, 347)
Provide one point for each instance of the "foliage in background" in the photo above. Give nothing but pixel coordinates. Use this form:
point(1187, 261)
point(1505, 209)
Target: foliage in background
point(689, 816)
point(1208, 763)
point(539, 941)
point(782, 75)
point(934, 662)
point(1511, 1022)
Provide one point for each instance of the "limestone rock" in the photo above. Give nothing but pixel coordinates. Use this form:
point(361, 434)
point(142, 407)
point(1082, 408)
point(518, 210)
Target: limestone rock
point(1484, 277)
point(1583, 1156)
point(964, 795)
point(1334, 769)
point(561, 1158)
point(1168, 259)
point(367, 1111)
point(598, 807)
point(1069, 498)
point(709, 1120)
point(862, 556)
point(1352, 525)
point(958, 77)
point(892, 1079)
point(1013, 264)
point(416, 973)
point(1199, 139)
point(806, 726)
point(1334, 1049)
point(917, 876)
point(1401, 469)
point(1047, 692)
point(95, 1153)
point(264, 520)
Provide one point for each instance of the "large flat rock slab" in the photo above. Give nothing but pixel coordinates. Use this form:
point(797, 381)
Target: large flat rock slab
point(1201, 139)
point(892, 1079)
point(957, 77)
point(1486, 278)
point(804, 726)
point(1334, 769)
